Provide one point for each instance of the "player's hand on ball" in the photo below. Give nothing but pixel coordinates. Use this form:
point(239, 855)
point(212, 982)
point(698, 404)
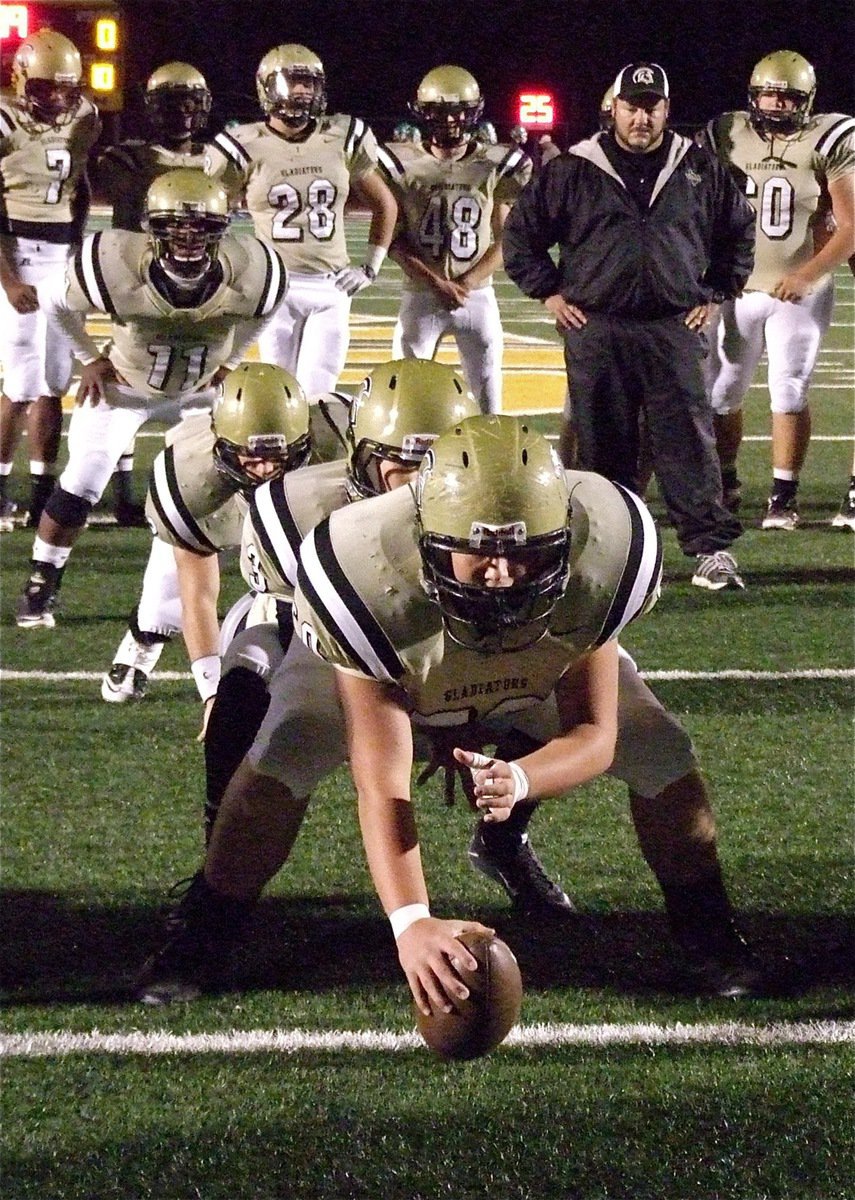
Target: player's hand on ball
point(480, 1022)
point(431, 956)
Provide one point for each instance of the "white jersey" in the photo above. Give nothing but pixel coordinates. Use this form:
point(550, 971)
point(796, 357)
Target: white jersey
point(446, 205)
point(161, 350)
point(296, 190)
point(787, 182)
point(41, 169)
point(360, 603)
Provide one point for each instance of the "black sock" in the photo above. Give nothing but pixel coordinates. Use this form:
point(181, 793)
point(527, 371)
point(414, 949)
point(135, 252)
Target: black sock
point(122, 491)
point(784, 490)
point(41, 487)
point(701, 915)
point(240, 706)
point(729, 478)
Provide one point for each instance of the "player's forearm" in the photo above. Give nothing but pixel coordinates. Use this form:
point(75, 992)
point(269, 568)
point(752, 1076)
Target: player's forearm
point(568, 761)
point(486, 266)
point(836, 251)
point(392, 850)
point(199, 587)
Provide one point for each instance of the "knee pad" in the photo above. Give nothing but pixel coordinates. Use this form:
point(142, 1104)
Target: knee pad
point(67, 509)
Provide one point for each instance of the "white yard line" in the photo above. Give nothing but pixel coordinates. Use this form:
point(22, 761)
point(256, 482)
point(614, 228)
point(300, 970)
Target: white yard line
point(296, 1041)
point(8, 676)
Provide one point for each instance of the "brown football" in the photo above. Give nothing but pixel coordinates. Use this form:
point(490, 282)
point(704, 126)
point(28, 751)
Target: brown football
point(478, 1024)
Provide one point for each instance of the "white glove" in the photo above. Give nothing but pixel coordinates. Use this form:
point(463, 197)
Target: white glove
point(354, 279)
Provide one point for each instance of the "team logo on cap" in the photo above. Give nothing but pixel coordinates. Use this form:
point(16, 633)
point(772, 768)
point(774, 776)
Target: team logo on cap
point(642, 75)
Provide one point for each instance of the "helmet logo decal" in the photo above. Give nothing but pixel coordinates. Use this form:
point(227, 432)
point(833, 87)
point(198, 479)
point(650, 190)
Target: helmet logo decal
point(514, 532)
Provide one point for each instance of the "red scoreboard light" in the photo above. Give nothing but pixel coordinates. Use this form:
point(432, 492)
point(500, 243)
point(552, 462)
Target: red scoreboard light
point(536, 109)
point(95, 27)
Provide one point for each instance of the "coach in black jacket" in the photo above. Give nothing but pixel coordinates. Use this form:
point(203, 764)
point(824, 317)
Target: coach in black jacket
point(651, 231)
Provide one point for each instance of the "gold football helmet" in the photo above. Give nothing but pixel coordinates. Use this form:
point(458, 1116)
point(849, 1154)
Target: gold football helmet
point(493, 487)
point(284, 69)
point(187, 214)
point(450, 104)
point(606, 118)
point(177, 102)
point(262, 413)
point(786, 72)
point(47, 77)
point(401, 408)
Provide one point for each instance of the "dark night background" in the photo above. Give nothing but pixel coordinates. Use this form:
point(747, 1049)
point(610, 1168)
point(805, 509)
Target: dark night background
point(376, 51)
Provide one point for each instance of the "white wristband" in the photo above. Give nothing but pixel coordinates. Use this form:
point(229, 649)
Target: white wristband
point(374, 258)
point(206, 672)
point(521, 782)
point(402, 918)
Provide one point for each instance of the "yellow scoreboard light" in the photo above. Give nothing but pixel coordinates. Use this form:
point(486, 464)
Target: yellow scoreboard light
point(96, 28)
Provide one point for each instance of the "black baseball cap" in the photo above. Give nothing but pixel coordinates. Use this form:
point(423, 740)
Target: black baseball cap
point(641, 79)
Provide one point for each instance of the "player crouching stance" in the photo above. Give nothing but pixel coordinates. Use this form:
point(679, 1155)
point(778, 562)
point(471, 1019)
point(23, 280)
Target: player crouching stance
point(185, 301)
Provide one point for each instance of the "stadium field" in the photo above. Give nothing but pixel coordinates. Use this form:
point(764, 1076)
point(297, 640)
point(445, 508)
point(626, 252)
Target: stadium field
point(305, 1080)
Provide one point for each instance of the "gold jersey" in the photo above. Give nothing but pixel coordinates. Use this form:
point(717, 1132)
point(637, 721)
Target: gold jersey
point(295, 191)
point(123, 174)
point(446, 205)
point(160, 349)
point(786, 181)
point(41, 172)
point(360, 604)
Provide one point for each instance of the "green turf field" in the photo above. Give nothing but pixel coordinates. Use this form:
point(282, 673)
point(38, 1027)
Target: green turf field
point(305, 1081)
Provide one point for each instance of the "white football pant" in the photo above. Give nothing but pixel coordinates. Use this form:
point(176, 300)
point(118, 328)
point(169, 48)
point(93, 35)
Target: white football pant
point(790, 333)
point(477, 329)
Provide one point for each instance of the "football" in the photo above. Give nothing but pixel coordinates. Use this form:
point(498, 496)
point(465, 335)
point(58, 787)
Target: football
point(478, 1024)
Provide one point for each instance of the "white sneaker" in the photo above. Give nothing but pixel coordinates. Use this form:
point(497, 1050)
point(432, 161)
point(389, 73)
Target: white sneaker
point(127, 678)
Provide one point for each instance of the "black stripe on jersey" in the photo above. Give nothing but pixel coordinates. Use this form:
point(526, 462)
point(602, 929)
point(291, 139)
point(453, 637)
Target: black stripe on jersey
point(355, 136)
point(275, 282)
point(178, 501)
point(640, 546)
point(87, 267)
point(233, 150)
point(832, 137)
point(512, 160)
point(287, 527)
point(389, 163)
point(7, 124)
point(351, 603)
point(120, 155)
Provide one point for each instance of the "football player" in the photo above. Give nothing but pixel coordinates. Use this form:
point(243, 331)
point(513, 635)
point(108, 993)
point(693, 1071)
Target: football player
point(276, 703)
point(177, 103)
point(798, 167)
point(296, 170)
point(261, 427)
point(46, 132)
point(454, 193)
point(513, 580)
point(303, 737)
point(185, 301)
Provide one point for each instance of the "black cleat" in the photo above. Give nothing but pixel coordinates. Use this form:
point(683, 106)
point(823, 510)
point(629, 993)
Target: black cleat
point(35, 606)
point(201, 932)
point(725, 967)
point(519, 871)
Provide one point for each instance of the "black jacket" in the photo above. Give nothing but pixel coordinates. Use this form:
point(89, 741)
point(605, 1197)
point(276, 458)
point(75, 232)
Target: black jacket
point(695, 239)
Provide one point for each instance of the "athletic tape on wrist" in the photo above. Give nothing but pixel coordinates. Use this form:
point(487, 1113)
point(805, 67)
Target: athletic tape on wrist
point(206, 672)
point(402, 918)
point(521, 782)
point(374, 258)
